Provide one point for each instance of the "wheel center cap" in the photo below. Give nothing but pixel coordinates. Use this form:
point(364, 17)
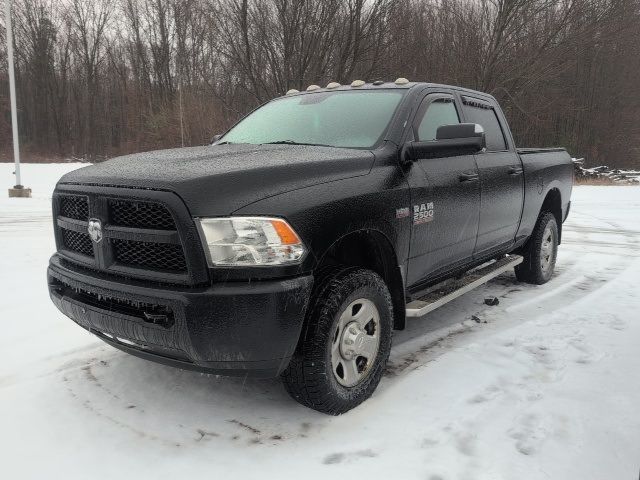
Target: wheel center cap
point(352, 341)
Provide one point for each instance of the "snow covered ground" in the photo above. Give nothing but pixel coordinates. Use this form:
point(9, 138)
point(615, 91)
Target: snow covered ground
point(547, 388)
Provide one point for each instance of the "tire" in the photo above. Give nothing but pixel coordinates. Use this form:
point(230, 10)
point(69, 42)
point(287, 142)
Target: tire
point(540, 252)
point(324, 366)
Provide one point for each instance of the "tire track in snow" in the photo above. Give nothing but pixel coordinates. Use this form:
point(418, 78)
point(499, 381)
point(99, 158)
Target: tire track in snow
point(573, 281)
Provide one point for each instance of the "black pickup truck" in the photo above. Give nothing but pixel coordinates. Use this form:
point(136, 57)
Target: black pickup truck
point(296, 242)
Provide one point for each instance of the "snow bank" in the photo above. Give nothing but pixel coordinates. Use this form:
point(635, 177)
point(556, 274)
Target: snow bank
point(605, 173)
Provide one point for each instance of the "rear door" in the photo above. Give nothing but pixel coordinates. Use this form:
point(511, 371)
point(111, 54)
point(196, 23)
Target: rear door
point(445, 197)
point(501, 179)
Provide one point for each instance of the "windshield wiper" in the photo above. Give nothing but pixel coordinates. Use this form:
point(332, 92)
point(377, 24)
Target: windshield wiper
point(293, 142)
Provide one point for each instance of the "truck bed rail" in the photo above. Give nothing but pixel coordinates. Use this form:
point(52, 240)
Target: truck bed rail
point(525, 151)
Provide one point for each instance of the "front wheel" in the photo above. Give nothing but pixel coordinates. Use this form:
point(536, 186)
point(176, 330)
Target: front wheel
point(540, 251)
point(345, 344)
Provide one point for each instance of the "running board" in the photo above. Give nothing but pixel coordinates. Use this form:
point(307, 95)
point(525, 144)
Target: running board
point(447, 291)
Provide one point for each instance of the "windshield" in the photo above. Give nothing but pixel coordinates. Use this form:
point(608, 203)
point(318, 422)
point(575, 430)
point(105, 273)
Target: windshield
point(337, 119)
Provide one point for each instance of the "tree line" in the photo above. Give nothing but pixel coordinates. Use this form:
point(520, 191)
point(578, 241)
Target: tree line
point(98, 78)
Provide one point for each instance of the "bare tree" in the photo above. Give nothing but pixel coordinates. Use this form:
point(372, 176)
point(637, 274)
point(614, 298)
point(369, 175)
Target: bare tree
point(90, 21)
point(102, 77)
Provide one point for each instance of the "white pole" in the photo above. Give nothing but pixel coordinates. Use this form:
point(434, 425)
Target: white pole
point(12, 89)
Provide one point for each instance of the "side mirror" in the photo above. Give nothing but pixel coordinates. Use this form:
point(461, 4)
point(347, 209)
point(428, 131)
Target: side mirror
point(214, 139)
point(451, 140)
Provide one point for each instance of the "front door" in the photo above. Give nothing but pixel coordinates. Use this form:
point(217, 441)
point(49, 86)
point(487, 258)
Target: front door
point(445, 198)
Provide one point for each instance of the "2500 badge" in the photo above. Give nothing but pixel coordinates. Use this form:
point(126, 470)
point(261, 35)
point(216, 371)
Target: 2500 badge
point(422, 213)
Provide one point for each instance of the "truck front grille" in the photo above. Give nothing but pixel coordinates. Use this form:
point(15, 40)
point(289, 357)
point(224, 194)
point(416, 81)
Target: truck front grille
point(156, 256)
point(139, 238)
point(140, 215)
point(78, 242)
point(74, 206)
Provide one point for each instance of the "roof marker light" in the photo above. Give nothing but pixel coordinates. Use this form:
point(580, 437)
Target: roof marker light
point(401, 81)
point(312, 87)
point(357, 83)
point(333, 85)
point(292, 91)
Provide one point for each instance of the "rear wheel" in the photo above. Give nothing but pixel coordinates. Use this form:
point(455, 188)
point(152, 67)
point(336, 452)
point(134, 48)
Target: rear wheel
point(540, 251)
point(345, 345)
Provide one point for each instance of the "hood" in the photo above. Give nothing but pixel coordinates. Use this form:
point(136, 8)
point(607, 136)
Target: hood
point(218, 180)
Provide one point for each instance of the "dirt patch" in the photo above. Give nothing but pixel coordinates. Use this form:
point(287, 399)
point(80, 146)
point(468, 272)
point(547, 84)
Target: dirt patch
point(253, 430)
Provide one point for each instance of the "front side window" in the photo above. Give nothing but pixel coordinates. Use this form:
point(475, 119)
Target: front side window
point(350, 119)
point(486, 117)
point(441, 111)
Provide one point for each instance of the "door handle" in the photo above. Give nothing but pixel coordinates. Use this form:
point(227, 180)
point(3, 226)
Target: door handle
point(513, 171)
point(469, 177)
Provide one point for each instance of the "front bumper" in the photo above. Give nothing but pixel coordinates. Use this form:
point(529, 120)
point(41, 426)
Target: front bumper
point(236, 328)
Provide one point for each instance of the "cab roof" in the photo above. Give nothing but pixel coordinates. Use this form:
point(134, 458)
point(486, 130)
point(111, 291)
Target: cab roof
point(381, 85)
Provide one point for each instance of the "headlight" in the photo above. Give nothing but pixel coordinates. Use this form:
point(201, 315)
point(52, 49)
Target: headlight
point(249, 241)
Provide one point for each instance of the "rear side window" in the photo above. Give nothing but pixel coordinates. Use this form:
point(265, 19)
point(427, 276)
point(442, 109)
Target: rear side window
point(482, 114)
point(440, 112)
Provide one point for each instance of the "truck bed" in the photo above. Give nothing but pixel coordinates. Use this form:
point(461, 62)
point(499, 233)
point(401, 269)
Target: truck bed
point(545, 170)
